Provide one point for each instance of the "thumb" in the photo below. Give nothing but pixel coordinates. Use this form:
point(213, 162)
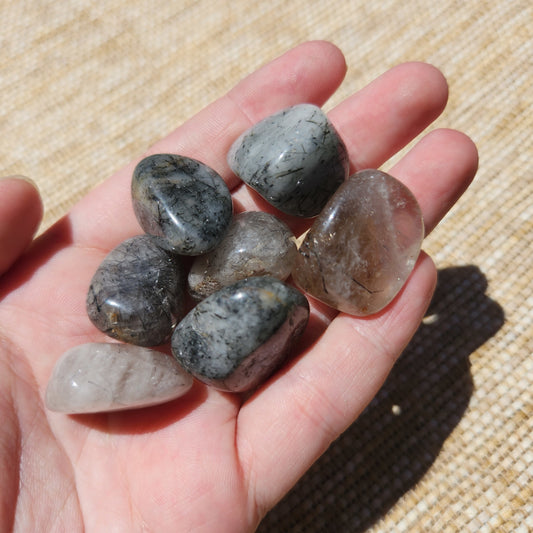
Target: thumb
point(21, 212)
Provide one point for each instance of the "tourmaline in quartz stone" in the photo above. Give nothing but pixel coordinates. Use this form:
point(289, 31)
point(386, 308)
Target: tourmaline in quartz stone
point(294, 159)
point(238, 336)
point(361, 249)
point(137, 293)
point(182, 200)
point(256, 244)
point(98, 377)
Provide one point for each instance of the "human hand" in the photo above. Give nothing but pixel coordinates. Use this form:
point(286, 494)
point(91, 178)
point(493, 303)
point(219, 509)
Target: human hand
point(209, 461)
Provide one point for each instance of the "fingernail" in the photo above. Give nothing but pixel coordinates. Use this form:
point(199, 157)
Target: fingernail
point(19, 177)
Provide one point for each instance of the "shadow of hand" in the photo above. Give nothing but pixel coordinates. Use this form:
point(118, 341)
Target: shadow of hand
point(398, 437)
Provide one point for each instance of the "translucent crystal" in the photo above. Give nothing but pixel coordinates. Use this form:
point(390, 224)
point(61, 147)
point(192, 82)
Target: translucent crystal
point(363, 245)
point(256, 244)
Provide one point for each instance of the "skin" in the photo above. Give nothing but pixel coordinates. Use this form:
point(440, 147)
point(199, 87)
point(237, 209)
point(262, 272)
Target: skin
point(209, 461)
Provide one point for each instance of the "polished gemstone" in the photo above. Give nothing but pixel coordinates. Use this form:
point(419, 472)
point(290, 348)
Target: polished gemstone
point(256, 244)
point(137, 293)
point(361, 249)
point(238, 336)
point(182, 200)
point(108, 377)
point(294, 159)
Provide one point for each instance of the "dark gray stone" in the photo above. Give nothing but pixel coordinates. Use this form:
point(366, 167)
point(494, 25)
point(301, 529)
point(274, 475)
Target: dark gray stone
point(137, 293)
point(294, 159)
point(256, 244)
point(182, 200)
point(238, 336)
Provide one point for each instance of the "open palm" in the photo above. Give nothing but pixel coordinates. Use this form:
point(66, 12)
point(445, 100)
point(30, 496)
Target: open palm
point(209, 461)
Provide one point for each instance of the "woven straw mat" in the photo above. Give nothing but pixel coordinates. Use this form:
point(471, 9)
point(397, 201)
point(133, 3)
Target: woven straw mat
point(447, 445)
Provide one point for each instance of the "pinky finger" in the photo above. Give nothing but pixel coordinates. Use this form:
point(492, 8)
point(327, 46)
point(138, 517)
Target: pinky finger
point(21, 212)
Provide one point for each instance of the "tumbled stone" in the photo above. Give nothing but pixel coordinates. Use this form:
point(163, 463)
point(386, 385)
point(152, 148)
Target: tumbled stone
point(294, 159)
point(98, 377)
point(182, 200)
point(256, 244)
point(137, 293)
point(361, 249)
point(238, 336)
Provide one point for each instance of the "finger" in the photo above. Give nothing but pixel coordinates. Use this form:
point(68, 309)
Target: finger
point(284, 428)
point(21, 212)
point(437, 170)
point(325, 389)
point(389, 112)
point(310, 72)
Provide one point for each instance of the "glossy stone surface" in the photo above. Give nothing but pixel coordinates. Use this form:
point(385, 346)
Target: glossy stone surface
point(294, 159)
point(182, 200)
point(238, 336)
point(97, 377)
point(363, 246)
point(137, 293)
point(256, 244)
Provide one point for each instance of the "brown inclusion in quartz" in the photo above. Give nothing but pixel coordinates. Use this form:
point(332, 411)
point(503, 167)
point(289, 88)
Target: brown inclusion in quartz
point(363, 245)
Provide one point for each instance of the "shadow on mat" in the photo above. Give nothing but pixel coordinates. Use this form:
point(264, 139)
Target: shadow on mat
point(398, 437)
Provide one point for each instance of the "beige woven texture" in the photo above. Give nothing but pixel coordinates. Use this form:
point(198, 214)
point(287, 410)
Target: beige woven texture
point(447, 445)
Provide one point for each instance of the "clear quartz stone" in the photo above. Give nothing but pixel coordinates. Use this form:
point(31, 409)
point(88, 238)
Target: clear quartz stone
point(256, 244)
point(363, 245)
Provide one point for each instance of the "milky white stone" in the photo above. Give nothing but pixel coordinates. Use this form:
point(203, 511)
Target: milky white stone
point(97, 377)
